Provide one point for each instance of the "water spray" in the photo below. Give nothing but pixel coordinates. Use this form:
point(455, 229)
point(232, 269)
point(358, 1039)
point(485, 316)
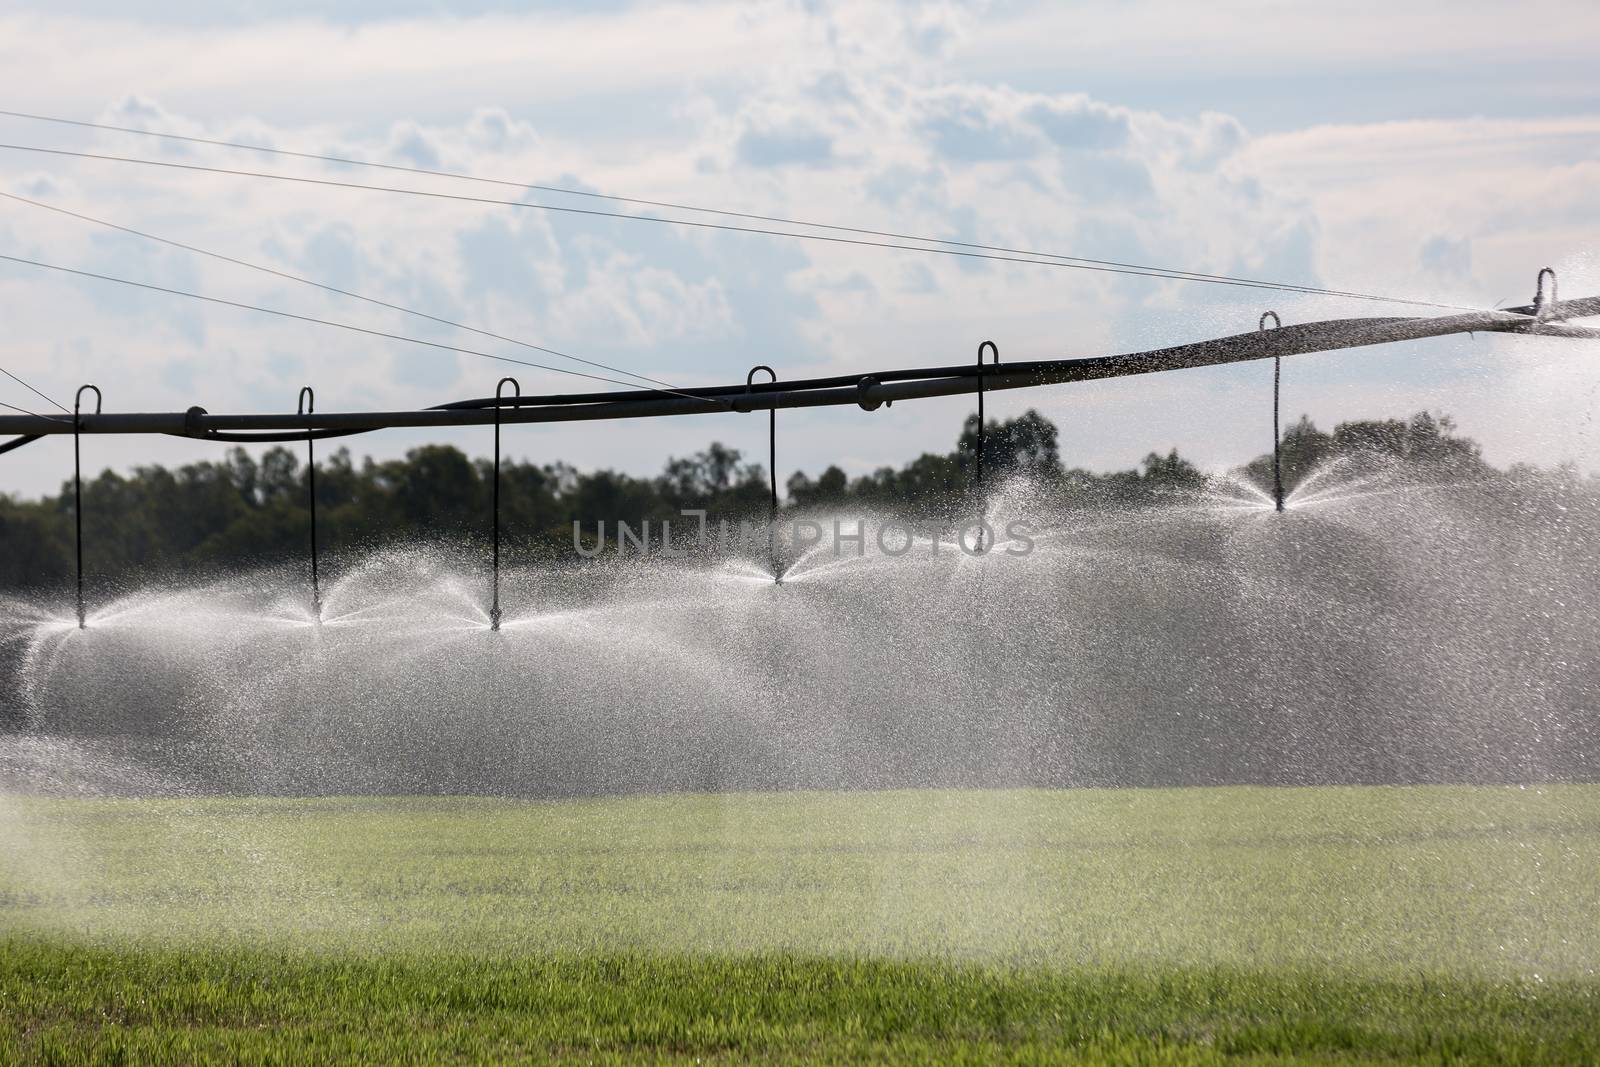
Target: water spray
point(1545, 317)
point(494, 607)
point(772, 465)
point(1277, 379)
point(77, 485)
point(306, 406)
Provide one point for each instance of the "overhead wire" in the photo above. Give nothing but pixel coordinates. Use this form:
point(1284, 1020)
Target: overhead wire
point(335, 324)
point(1033, 260)
point(673, 205)
point(35, 414)
point(32, 390)
point(331, 289)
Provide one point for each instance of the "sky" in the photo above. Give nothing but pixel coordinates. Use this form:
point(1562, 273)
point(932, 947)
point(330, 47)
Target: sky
point(1437, 151)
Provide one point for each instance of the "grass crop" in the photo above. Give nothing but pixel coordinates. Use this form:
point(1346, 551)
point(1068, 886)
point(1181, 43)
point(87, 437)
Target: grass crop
point(1433, 924)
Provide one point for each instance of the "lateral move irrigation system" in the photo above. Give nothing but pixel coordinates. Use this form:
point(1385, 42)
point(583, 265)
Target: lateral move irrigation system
point(1545, 317)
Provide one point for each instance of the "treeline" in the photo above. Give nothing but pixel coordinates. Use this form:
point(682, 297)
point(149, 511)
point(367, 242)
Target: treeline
point(210, 516)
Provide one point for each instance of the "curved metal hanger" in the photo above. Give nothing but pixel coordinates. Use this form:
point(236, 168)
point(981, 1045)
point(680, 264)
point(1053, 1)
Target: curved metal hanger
point(494, 606)
point(77, 485)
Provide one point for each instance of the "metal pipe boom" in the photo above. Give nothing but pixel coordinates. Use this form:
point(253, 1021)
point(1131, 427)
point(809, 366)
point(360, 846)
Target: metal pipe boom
point(869, 390)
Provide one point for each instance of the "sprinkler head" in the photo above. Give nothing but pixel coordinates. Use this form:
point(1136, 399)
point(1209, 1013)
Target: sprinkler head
point(494, 617)
point(316, 608)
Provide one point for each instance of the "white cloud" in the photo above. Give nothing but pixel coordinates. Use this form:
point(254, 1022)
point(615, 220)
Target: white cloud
point(1520, 190)
point(1275, 42)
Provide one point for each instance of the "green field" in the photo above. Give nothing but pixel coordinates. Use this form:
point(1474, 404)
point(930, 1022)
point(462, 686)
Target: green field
point(1441, 924)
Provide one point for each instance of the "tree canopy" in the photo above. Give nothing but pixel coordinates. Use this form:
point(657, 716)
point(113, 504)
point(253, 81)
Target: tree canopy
point(240, 510)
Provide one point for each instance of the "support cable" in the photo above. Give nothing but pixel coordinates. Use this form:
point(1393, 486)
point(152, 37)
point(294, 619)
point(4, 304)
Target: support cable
point(59, 406)
point(25, 411)
point(27, 438)
point(667, 204)
point(302, 280)
point(329, 322)
point(1033, 259)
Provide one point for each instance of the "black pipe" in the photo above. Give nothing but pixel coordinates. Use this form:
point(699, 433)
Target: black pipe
point(77, 488)
point(1277, 377)
point(991, 346)
point(1488, 321)
point(307, 405)
point(869, 391)
point(494, 607)
point(1277, 463)
point(18, 442)
point(772, 465)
